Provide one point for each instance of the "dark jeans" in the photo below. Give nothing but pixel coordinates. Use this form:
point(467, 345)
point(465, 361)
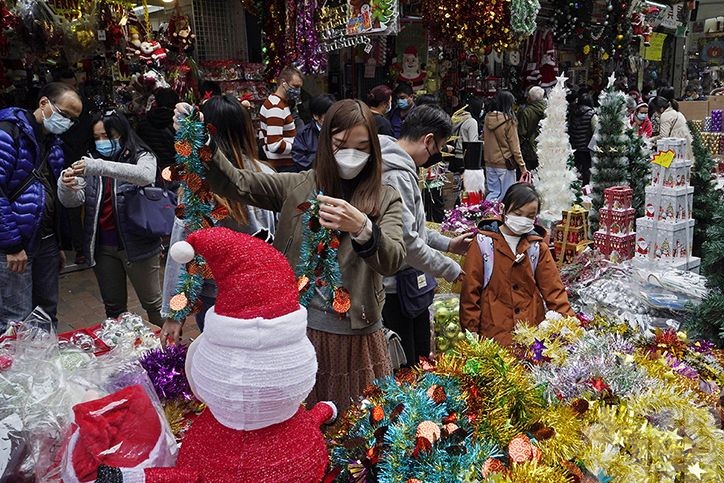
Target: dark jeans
point(582, 160)
point(112, 267)
point(206, 304)
point(36, 286)
point(45, 266)
point(75, 220)
point(414, 332)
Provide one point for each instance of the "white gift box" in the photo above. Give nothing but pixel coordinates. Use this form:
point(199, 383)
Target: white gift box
point(667, 241)
point(669, 205)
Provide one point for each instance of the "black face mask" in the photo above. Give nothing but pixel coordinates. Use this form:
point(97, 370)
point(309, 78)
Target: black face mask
point(434, 158)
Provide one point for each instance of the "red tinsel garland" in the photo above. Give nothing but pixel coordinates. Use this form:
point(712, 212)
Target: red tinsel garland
point(469, 24)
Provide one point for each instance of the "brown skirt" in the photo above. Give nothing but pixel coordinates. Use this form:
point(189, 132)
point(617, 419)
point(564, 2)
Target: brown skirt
point(347, 364)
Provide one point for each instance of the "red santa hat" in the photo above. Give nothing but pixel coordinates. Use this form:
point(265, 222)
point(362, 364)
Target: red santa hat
point(122, 430)
point(411, 50)
point(253, 365)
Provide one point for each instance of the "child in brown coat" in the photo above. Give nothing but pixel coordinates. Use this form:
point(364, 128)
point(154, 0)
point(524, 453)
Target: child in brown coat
point(510, 273)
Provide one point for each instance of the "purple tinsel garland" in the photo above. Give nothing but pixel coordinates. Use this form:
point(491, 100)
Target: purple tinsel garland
point(166, 369)
point(463, 218)
point(310, 59)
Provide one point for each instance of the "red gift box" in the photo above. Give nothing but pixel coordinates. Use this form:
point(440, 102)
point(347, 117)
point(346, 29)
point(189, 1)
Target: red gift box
point(617, 222)
point(624, 246)
point(618, 197)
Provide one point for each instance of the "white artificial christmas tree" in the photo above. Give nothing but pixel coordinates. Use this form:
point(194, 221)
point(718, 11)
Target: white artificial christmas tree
point(554, 149)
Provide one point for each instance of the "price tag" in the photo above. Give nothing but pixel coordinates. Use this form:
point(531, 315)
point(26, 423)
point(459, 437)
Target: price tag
point(421, 281)
point(664, 158)
point(368, 48)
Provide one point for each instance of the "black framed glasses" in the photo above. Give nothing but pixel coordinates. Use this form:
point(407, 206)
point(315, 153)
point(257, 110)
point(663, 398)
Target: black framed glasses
point(55, 108)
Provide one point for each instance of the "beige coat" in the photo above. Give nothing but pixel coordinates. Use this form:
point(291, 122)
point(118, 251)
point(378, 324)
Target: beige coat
point(362, 270)
point(673, 125)
point(500, 136)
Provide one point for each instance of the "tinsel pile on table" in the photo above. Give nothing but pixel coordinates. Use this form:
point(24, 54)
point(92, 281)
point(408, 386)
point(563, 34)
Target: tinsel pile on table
point(575, 399)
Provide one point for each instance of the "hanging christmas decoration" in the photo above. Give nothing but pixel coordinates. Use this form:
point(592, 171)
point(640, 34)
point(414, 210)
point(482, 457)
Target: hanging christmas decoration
point(318, 269)
point(571, 19)
point(310, 58)
point(197, 208)
point(616, 40)
point(523, 15)
point(469, 24)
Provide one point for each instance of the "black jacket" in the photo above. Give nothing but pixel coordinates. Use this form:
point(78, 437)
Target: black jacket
point(579, 127)
point(156, 130)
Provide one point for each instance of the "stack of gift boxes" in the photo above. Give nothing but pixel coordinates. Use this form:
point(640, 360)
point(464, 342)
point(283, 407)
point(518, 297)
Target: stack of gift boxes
point(570, 236)
point(616, 237)
point(666, 231)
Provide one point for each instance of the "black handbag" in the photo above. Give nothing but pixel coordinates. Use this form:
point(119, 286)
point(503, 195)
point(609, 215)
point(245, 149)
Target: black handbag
point(416, 291)
point(150, 211)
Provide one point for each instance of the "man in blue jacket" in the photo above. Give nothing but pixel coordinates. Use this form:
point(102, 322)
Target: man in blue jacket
point(304, 149)
point(31, 159)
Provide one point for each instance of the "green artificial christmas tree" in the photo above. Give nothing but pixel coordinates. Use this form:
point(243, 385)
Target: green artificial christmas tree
point(639, 172)
point(576, 186)
point(706, 320)
point(610, 157)
point(706, 197)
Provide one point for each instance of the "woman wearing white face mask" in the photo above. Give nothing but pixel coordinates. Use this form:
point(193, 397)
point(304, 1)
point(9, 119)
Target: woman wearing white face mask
point(510, 273)
point(367, 219)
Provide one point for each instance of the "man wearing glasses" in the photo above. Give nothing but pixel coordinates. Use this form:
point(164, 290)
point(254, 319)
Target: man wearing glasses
point(31, 159)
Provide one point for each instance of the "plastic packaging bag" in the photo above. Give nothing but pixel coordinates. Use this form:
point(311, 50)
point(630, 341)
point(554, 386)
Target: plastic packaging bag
point(126, 429)
point(445, 312)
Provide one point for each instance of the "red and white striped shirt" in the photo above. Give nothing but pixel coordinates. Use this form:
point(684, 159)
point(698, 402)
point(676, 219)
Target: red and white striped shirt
point(277, 130)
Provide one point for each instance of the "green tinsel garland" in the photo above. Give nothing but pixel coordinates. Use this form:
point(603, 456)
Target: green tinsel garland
point(523, 14)
point(318, 268)
point(197, 209)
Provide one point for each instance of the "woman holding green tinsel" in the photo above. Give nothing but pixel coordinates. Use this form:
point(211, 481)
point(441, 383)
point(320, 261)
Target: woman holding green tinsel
point(342, 231)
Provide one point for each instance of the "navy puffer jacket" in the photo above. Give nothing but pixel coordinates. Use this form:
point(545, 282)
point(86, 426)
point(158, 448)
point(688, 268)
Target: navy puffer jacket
point(19, 156)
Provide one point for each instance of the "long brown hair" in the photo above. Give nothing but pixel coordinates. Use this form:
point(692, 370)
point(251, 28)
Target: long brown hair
point(367, 194)
point(235, 138)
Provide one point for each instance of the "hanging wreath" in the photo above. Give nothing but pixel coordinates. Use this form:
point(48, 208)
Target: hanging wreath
point(523, 14)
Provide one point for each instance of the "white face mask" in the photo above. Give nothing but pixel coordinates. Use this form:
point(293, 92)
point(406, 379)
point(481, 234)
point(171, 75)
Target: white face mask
point(520, 225)
point(350, 162)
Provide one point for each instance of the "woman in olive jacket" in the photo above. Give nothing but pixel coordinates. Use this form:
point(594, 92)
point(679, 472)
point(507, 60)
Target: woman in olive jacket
point(351, 347)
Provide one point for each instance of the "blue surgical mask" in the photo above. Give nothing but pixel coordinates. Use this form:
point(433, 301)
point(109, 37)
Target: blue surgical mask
point(403, 104)
point(56, 124)
point(108, 148)
point(641, 117)
point(293, 93)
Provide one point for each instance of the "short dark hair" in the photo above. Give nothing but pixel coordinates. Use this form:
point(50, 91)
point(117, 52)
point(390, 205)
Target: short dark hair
point(426, 100)
point(378, 95)
point(424, 120)
point(319, 105)
point(519, 195)
point(288, 73)
point(585, 99)
point(165, 97)
point(404, 88)
point(56, 90)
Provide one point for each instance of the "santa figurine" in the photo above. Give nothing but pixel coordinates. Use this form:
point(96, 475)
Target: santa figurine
point(252, 366)
point(411, 73)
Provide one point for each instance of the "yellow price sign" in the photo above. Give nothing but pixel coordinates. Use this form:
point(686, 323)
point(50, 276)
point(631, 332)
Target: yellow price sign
point(664, 158)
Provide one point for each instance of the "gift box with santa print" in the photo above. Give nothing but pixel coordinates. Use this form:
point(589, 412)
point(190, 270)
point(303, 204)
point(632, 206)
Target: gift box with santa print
point(615, 237)
point(670, 205)
point(664, 241)
point(665, 233)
